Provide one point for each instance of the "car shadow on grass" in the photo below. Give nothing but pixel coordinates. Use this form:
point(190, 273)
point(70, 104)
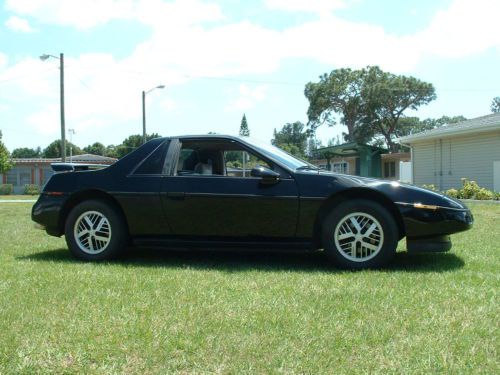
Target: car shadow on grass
point(243, 261)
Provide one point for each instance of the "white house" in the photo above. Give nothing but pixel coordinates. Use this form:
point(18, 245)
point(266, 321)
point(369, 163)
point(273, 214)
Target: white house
point(469, 149)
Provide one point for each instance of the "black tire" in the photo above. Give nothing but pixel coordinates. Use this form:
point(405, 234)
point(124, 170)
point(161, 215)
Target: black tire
point(344, 243)
point(89, 246)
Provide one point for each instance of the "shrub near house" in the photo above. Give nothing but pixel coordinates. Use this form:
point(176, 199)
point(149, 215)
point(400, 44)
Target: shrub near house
point(469, 190)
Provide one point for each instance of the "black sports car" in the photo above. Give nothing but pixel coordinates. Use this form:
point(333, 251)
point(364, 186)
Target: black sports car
point(216, 191)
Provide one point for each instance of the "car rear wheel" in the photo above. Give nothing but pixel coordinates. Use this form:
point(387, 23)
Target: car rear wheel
point(360, 234)
point(95, 231)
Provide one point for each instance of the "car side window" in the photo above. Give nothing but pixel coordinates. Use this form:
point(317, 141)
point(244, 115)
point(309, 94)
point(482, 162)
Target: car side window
point(187, 161)
point(217, 158)
point(239, 163)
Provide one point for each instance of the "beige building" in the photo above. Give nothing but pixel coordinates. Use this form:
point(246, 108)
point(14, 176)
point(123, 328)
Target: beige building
point(469, 149)
point(37, 171)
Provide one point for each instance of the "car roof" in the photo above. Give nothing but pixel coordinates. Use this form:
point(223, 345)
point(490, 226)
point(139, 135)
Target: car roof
point(208, 136)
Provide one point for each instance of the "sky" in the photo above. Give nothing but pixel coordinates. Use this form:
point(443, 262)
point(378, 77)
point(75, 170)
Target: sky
point(221, 59)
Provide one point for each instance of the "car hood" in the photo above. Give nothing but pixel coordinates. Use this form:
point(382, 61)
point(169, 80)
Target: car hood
point(394, 190)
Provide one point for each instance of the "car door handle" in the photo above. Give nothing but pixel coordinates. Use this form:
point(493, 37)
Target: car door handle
point(174, 195)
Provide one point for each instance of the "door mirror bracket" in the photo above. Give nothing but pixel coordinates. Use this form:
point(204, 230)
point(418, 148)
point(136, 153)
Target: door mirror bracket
point(266, 175)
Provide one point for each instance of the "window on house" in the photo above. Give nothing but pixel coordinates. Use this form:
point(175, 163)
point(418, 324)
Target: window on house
point(25, 177)
point(12, 176)
point(389, 169)
point(340, 167)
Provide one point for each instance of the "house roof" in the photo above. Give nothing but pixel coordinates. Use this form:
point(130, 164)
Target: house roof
point(85, 158)
point(475, 125)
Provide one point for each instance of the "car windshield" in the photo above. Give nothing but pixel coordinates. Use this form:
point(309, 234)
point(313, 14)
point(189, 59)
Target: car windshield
point(281, 156)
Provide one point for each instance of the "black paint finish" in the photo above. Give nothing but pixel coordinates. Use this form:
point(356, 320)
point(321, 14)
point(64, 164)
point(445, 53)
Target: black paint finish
point(219, 209)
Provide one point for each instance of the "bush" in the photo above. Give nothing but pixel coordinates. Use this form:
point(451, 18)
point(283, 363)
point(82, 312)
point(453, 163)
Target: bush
point(484, 194)
point(453, 193)
point(31, 189)
point(430, 187)
point(6, 189)
point(471, 190)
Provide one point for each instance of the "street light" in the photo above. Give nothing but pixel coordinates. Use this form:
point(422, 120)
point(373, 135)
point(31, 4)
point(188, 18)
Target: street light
point(144, 110)
point(61, 80)
point(71, 134)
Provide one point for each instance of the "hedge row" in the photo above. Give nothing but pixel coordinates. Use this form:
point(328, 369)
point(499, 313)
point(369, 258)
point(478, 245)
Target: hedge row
point(7, 189)
point(469, 190)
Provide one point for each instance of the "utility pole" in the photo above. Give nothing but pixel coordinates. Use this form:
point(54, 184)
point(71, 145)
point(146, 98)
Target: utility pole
point(143, 117)
point(63, 124)
point(144, 110)
point(71, 134)
point(61, 86)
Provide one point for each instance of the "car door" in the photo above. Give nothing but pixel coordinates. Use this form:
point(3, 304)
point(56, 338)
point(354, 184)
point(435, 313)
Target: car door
point(226, 203)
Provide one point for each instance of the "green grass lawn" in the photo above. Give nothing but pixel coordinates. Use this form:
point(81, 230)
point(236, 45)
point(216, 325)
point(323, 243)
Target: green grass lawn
point(193, 312)
point(18, 197)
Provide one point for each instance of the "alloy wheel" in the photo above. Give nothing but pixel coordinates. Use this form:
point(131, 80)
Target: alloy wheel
point(359, 237)
point(92, 232)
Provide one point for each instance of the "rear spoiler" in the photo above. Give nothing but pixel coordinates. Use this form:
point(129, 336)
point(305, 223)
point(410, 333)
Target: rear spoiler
point(72, 167)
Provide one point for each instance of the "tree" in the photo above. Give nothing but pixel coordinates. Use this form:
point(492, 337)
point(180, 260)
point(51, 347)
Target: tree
point(338, 93)
point(292, 138)
point(5, 162)
point(131, 143)
point(110, 151)
point(495, 105)
point(312, 145)
point(387, 96)
point(244, 130)
point(412, 125)
point(96, 148)
point(53, 150)
point(26, 152)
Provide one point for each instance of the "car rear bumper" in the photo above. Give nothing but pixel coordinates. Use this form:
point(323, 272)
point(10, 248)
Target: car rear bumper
point(46, 213)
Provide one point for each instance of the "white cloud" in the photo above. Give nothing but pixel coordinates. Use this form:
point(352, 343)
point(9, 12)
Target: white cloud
point(169, 104)
point(247, 97)
point(86, 14)
point(465, 28)
point(315, 6)
point(3, 60)
point(82, 14)
point(103, 91)
point(15, 23)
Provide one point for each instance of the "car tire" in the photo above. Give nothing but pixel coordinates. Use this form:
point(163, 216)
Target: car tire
point(360, 234)
point(95, 231)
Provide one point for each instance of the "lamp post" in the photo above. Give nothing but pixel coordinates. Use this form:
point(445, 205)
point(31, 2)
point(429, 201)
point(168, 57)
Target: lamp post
point(144, 110)
point(61, 84)
point(71, 134)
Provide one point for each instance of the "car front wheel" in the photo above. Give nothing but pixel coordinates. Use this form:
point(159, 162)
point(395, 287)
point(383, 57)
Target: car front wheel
point(360, 234)
point(95, 231)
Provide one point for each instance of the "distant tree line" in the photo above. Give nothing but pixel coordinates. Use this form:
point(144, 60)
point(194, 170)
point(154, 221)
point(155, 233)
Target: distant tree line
point(53, 150)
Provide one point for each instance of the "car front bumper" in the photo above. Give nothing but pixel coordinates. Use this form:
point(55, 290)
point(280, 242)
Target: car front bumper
point(428, 229)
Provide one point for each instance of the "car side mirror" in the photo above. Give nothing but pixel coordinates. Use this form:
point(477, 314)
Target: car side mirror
point(265, 174)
